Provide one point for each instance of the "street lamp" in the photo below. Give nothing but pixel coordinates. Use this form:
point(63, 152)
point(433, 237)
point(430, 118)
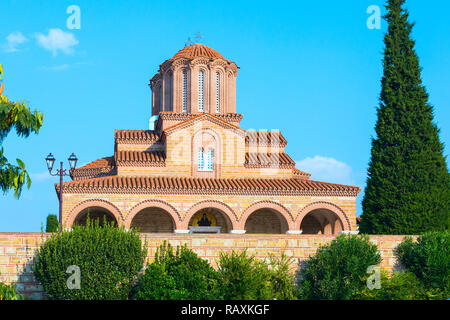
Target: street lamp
point(61, 173)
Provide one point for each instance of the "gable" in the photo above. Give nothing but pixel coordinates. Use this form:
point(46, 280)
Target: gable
point(204, 120)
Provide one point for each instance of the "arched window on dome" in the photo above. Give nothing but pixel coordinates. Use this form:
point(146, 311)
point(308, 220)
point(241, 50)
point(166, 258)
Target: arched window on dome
point(160, 97)
point(169, 93)
point(217, 92)
point(201, 91)
point(184, 91)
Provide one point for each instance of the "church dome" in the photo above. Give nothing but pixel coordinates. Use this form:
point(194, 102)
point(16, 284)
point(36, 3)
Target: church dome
point(197, 79)
point(197, 50)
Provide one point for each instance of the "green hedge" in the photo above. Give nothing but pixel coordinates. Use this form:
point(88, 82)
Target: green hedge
point(400, 286)
point(177, 275)
point(109, 259)
point(338, 271)
point(429, 260)
point(181, 274)
point(243, 277)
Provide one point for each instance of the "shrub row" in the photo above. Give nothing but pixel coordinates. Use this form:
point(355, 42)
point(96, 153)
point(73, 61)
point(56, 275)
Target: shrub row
point(110, 260)
point(181, 275)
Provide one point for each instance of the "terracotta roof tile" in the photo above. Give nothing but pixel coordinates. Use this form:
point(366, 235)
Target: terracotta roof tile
point(98, 168)
point(99, 163)
point(265, 138)
point(268, 159)
point(126, 136)
point(301, 174)
point(197, 50)
point(131, 184)
point(140, 158)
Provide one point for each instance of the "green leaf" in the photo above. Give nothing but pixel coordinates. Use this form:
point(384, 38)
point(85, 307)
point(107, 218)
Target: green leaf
point(21, 164)
point(28, 181)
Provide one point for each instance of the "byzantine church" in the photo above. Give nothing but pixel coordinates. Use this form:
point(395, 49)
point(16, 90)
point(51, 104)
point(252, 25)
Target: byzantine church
point(198, 171)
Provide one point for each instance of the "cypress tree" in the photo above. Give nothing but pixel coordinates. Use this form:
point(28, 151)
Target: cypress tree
point(408, 181)
point(52, 223)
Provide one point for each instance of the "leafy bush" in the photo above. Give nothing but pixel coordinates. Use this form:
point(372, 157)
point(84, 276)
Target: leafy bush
point(429, 260)
point(52, 223)
point(243, 277)
point(401, 286)
point(109, 259)
point(179, 275)
point(9, 292)
point(281, 279)
point(338, 271)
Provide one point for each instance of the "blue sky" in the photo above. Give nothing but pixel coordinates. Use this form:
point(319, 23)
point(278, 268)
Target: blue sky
point(309, 68)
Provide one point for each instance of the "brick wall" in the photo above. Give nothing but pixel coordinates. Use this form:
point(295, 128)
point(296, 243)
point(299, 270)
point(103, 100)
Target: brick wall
point(17, 250)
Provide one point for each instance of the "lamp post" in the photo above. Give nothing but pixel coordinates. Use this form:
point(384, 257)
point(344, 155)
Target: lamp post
point(61, 173)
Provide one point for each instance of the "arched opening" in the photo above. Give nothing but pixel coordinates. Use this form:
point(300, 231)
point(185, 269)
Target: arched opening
point(211, 217)
point(153, 220)
point(95, 214)
point(321, 221)
point(266, 220)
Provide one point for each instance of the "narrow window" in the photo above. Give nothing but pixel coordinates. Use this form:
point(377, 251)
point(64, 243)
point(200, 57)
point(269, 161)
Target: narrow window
point(205, 164)
point(201, 80)
point(161, 98)
point(209, 160)
point(185, 91)
point(170, 92)
point(217, 92)
point(201, 162)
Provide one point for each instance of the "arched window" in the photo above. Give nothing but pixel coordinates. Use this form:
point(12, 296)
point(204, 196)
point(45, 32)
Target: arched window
point(201, 87)
point(217, 92)
point(206, 154)
point(161, 98)
point(205, 164)
point(184, 91)
point(169, 93)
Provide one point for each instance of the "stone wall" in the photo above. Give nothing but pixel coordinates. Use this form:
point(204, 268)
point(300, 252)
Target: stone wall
point(17, 251)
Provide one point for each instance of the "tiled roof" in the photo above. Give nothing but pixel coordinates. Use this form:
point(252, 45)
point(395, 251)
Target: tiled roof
point(265, 138)
point(123, 136)
point(98, 168)
point(301, 174)
point(140, 157)
point(142, 184)
point(268, 159)
point(99, 163)
point(197, 50)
